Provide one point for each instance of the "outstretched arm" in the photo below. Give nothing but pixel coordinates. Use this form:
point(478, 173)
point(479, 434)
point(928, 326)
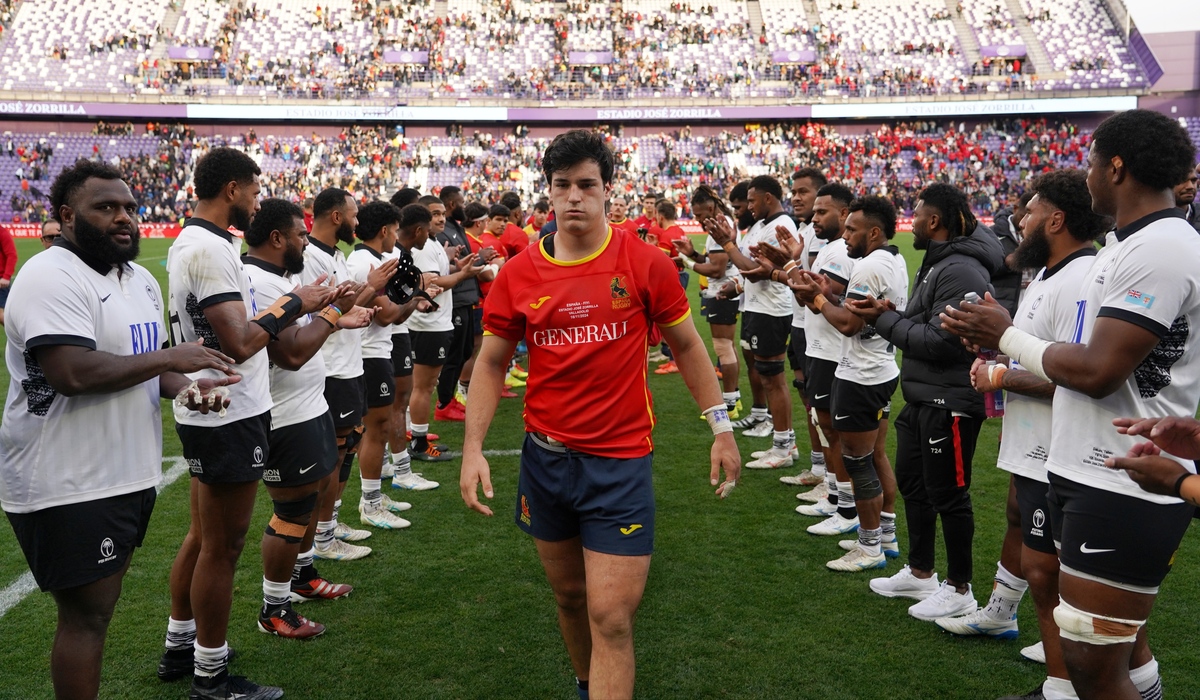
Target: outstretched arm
point(694, 366)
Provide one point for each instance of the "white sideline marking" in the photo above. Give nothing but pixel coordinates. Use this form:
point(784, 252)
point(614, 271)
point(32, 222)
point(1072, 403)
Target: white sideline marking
point(16, 591)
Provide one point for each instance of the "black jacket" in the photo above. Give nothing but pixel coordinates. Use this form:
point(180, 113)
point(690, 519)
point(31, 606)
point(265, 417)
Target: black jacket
point(466, 292)
point(1006, 282)
point(936, 367)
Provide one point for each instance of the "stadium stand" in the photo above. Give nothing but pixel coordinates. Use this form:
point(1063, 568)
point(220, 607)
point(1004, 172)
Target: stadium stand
point(527, 49)
point(991, 162)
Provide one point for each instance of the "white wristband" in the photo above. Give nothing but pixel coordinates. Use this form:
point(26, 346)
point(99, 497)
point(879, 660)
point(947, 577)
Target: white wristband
point(718, 419)
point(1026, 349)
point(492, 268)
point(689, 263)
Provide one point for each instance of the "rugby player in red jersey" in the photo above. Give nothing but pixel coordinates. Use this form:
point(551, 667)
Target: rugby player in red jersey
point(584, 300)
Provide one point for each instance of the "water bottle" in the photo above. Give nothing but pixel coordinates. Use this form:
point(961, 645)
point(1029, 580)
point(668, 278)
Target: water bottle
point(993, 401)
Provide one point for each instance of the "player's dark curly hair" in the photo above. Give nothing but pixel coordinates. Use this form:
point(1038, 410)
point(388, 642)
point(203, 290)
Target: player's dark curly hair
point(512, 200)
point(475, 210)
point(767, 184)
point(574, 147)
point(274, 214)
point(1066, 190)
point(953, 206)
point(879, 210)
point(815, 176)
point(329, 199)
point(70, 180)
point(375, 215)
point(740, 192)
point(404, 197)
point(705, 194)
point(1154, 148)
point(837, 192)
point(414, 215)
point(221, 166)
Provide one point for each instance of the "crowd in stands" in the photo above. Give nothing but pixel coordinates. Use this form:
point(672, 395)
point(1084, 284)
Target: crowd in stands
point(642, 44)
point(991, 162)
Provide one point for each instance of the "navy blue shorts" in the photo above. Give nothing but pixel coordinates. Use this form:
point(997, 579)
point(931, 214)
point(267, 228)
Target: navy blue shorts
point(608, 503)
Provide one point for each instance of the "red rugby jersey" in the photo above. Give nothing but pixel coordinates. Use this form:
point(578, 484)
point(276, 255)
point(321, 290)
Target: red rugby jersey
point(586, 324)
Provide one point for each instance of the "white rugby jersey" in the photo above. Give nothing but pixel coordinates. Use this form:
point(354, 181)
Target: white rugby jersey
point(401, 327)
point(432, 258)
point(731, 271)
point(767, 297)
point(812, 246)
point(297, 395)
point(1050, 310)
point(867, 358)
point(343, 350)
point(1147, 275)
point(57, 450)
point(822, 340)
point(204, 268)
point(376, 339)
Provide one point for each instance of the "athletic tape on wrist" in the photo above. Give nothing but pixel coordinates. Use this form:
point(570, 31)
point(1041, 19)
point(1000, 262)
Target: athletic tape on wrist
point(996, 375)
point(791, 265)
point(492, 268)
point(718, 419)
point(277, 316)
point(1026, 349)
point(819, 302)
point(330, 314)
point(689, 263)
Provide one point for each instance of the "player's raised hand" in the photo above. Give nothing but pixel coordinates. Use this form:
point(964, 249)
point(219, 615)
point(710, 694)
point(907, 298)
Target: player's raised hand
point(347, 294)
point(1175, 435)
point(187, 358)
point(475, 472)
point(770, 256)
point(791, 243)
point(378, 278)
point(1149, 469)
point(684, 246)
point(869, 309)
point(979, 323)
point(718, 227)
point(356, 317)
point(315, 296)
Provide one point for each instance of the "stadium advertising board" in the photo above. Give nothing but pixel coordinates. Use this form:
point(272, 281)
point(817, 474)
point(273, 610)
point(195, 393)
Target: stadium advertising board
point(467, 114)
point(982, 108)
point(147, 230)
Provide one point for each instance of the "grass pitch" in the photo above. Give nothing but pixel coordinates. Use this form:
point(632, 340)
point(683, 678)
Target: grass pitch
point(739, 603)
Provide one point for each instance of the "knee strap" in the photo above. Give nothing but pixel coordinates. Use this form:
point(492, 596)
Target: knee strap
point(769, 368)
point(1089, 628)
point(863, 476)
point(296, 509)
point(725, 352)
point(800, 385)
point(344, 470)
point(352, 440)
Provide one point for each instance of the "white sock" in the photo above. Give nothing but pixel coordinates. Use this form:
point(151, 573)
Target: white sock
point(887, 523)
point(370, 491)
point(420, 429)
point(845, 491)
point(1058, 689)
point(324, 536)
point(1146, 679)
point(210, 662)
point(758, 412)
point(276, 593)
point(181, 634)
point(403, 462)
point(1007, 591)
point(831, 487)
point(818, 463)
point(731, 397)
point(783, 440)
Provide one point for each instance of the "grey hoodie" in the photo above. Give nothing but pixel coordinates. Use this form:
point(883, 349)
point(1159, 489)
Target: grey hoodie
point(936, 367)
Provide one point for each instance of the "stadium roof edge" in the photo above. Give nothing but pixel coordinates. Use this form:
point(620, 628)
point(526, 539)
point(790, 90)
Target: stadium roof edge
point(328, 113)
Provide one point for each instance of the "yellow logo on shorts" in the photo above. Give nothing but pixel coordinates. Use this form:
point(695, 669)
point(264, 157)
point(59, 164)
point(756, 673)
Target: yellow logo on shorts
point(524, 510)
point(630, 530)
